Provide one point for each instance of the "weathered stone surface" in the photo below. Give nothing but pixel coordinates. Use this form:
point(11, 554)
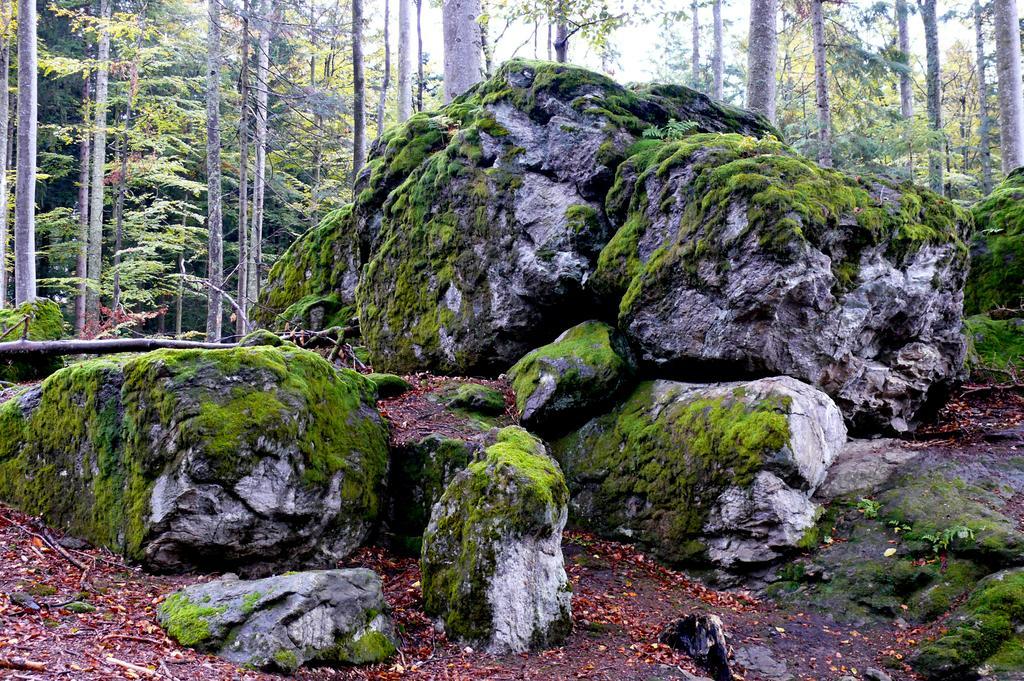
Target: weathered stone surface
point(721, 472)
point(864, 466)
point(573, 378)
point(741, 254)
point(702, 637)
point(281, 623)
point(474, 397)
point(492, 557)
point(997, 251)
point(758, 660)
point(483, 220)
point(252, 458)
point(45, 322)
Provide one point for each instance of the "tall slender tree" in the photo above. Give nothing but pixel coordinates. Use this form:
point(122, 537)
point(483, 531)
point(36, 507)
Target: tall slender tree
point(6, 16)
point(821, 84)
point(421, 82)
point(561, 43)
point(695, 44)
point(717, 61)
point(358, 91)
point(243, 174)
point(214, 215)
point(25, 185)
point(984, 123)
point(933, 78)
point(906, 78)
point(386, 76)
point(762, 52)
point(1011, 86)
point(463, 48)
point(405, 53)
point(268, 23)
point(99, 149)
point(84, 165)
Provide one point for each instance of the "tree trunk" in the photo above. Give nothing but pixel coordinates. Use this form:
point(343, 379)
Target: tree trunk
point(420, 84)
point(933, 76)
point(215, 254)
point(821, 85)
point(179, 298)
point(485, 45)
point(462, 46)
point(25, 186)
point(84, 163)
point(96, 188)
point(762, 51)
point(906, 79)
point(984, 124)
point(106, 346)
point(695, 46)
point(404, 60)
point(386, 80)
point(717, 61)
point(259, 187)
point(561, 33)
point(5, 119)
point(243, 174)
point(358, 92)
point(1011, 88)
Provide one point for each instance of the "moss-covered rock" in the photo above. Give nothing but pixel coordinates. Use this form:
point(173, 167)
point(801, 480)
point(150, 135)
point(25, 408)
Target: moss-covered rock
point(997, 251)
point(249, 457)
point(492, 566)
point(419, 473)
point(983, 633)
point(476, 398)
point(995, 346)
point(573, 378)
point(389, 385)
point(312, 285)
point(281, 623)
point(740, 253)
point(720, 472)
point(45, 322)
point(483, 220)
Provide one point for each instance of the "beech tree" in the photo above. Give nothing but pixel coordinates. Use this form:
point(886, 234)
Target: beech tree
point(6, 21)
point(463, 46)
point(215, 245)
point(1011, 89)
point(98, 151)
point(905, 76)
point(717, 61)
point(821, 84)
point(25, 184)
point(984, 123)
point(762, 52)
point(933, 78)
point(358, 91)
point(405, 55)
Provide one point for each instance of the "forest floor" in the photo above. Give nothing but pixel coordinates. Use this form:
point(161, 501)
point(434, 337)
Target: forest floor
point(621, 600)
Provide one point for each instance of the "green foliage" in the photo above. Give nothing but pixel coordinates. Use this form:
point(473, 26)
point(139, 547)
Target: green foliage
point(869, 508)
point(673, 130)
point(943, 539)
point(45, 322)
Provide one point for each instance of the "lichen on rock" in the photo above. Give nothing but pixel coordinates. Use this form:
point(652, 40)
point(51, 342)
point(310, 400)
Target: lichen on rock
point(284, 622)
point(572, 378)
point(695, 473)
point(492, 567)
point(249, 457)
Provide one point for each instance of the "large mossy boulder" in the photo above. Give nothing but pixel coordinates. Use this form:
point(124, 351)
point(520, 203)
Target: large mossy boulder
point(250, 458)
point(492, 567)
point(281, 623)
point(313, 284)
point(719, 473)
point(484, 220)
point(45, 322)
point(742, 255)
point(995, 346)
point(997, 251)
point(983, 638)
point(572, 378)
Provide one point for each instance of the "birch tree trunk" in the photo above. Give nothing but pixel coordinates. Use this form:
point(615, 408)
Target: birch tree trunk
point(717, 62)
point(25, 186)
point(462, 46)
point(404, 60)
point(358, 91)
point(243, 175)
point(98, 151)
point(386, 80)
point(259, 187)
point(214, 218)
point(5, 119)
point(984, 123)
point(762, 51)
point(84, 164)
point(1011, 89)
point(933, 75)
point(821, 85)
point(695, 47)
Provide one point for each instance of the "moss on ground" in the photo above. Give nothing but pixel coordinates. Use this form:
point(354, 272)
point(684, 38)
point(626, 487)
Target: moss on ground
point(655, 466)
point(186, 622)
point(389, 385)
point(997, 252)
point(45, 322)
point(995, 346)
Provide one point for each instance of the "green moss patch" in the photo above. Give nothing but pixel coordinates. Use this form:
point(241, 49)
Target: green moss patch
point(997, 252)
point(389, 385)
point(477, 398)
point(45, 322)
point(995, 346)
point(186, 622)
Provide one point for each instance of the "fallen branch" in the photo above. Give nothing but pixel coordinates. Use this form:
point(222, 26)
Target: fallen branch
point(146, 671)
point(8, 332)
point(102, 347)
point(21, 663)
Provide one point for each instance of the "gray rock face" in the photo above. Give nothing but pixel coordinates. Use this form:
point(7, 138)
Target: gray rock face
point(561, 384)
point(864, 466)
point(281, 623)
point(832, 281)
point(722, 472)
point(252, 458)
point(702, 637)
point(492, 557)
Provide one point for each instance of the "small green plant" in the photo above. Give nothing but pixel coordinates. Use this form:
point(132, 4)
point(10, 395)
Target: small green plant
point(673, 130)
point(943, 539)
point(869, 507)
point(899, 526)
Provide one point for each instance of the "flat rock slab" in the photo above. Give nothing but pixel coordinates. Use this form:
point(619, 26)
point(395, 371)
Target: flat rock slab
point(864, 466)
point(281, 623)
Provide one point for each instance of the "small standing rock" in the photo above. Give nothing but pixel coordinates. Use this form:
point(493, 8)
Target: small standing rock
point(702, 637)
